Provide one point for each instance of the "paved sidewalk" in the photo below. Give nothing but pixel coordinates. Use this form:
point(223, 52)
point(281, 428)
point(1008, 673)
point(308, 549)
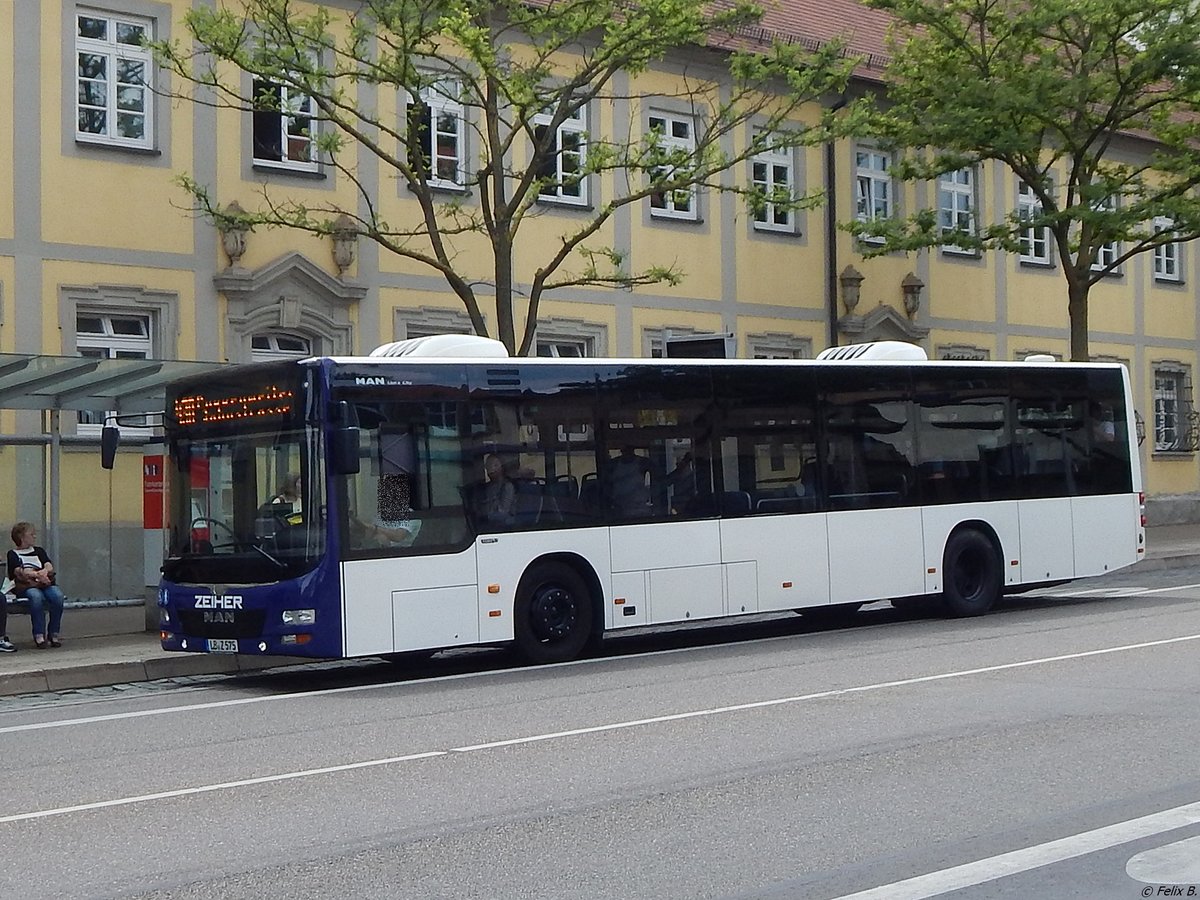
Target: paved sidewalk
point(117, 659)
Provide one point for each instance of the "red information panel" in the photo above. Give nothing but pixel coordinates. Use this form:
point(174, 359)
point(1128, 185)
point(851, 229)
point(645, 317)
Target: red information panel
point(152, 491)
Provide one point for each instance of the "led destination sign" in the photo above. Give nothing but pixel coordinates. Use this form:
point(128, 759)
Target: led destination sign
point(196, 409)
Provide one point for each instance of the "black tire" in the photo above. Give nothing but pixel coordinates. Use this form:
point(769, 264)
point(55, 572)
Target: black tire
point(554, 614)
point(971, 577)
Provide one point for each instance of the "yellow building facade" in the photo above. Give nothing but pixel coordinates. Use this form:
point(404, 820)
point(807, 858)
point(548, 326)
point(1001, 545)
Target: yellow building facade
point(101, 256)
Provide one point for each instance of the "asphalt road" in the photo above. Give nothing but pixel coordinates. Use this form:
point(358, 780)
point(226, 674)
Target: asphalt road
point(1049, 749)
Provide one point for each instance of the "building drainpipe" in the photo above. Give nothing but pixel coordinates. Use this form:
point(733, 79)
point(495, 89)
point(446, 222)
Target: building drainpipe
point(54, 512)
point(831, 258)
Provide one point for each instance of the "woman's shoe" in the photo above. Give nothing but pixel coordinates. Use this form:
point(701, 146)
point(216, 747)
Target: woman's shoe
point(41, 645)
point(55, 641)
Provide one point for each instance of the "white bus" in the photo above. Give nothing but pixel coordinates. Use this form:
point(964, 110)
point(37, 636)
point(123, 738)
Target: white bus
point(465, 499)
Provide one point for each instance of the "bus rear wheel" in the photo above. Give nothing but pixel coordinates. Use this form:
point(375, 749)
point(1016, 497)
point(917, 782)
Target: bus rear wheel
point(554, 614)
point(971, 573)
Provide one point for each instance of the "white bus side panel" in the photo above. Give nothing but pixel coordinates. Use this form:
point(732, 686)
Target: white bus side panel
point(1047, 551)
point(684, 582)
point(792, 553)
point(1106, 533)
point(939, 521)
point(380, 614)
point(503, 559)
point(875, 553)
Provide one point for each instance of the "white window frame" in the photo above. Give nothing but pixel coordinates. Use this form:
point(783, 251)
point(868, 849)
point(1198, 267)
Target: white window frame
point(1167, 256)
point(773, 173)
point(297, 125)
point(1035, 241)
point(279, 345)
point(562, 337)
point(682, 203)
point(956, 205)
point(569, 147)
point(1106, 254)
point(116, 53)
point(873, 187)
point(1172, 404)
point(441, 99)
point(111, 342)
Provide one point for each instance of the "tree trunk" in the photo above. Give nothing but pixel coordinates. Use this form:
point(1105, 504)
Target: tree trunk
point(505, 329)
point(1077, 312)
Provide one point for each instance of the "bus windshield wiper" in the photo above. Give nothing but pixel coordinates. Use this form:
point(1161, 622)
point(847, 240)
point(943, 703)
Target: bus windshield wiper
point(259, 549)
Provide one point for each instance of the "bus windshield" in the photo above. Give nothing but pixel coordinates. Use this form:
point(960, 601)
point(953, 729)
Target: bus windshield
point(245, 493)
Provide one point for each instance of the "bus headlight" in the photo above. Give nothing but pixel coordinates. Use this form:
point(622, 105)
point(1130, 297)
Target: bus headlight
point(299, 616)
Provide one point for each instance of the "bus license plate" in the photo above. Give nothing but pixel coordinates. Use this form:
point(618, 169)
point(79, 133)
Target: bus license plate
point(219, 646)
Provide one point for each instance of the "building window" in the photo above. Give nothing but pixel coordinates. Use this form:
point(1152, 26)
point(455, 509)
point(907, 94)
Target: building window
point(1106, 254)
point(778, 346)
point(100, 335)
point(112, 95)
point(961, 352)
point(872, 187)
point(267, 347)
point(562, 169)
point(1166, 256)
point(1035, 241)
point(1172, 405)
point(565, 348)
point(283, 127)
point(956, 205)
point(437, 126)
point(677, 144)
point(773, 174)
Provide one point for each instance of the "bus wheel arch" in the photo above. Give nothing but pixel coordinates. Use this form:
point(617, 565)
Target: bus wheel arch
point(557, 614)
point(972, 570)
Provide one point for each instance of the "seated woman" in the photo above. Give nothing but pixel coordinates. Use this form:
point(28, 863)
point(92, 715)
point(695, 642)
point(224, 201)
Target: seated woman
point(34, 579)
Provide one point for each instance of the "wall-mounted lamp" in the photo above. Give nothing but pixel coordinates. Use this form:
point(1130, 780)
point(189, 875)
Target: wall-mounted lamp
point(345, 242)
point(233, 232)
point(851, 280)
point(912, 287)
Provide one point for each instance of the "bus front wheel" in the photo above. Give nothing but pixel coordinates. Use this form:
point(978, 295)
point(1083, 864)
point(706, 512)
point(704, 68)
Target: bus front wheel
point(553, 614)
point(971, 573)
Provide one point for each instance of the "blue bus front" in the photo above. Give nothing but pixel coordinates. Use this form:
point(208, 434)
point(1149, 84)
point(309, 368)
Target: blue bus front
point(247, 568)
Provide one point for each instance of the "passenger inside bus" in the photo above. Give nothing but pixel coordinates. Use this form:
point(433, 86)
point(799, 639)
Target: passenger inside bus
point(393, 524)
point(494, 500)
point(628, 483)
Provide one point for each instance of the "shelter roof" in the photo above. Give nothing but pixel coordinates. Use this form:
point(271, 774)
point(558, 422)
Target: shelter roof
point(34, 381)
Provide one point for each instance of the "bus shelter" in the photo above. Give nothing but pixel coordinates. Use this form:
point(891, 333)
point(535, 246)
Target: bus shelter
point(52, 384)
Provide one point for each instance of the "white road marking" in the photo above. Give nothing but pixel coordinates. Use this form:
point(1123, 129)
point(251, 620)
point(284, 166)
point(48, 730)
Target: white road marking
point(981, 871)
point(594, 729)
point(1177, 863)
point(1121, 592)
point(226, 785)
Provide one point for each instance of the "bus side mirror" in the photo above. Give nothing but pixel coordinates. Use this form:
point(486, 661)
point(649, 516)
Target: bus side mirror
point(344, 449)
point(109, 438)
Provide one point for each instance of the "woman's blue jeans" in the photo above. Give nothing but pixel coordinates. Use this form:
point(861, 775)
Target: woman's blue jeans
point(41, 598)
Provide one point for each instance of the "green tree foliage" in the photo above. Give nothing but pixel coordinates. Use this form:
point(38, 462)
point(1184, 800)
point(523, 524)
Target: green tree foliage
point(1095, 104)
point(513, 61)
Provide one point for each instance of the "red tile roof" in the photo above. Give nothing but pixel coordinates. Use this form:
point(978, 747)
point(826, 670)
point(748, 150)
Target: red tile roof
point(863, 30)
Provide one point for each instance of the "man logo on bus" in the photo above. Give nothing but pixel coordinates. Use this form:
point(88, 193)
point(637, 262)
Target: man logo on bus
point(218, 601)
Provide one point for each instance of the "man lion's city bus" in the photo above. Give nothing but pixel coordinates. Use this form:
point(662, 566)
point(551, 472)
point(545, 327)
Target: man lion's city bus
point(450, 495)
